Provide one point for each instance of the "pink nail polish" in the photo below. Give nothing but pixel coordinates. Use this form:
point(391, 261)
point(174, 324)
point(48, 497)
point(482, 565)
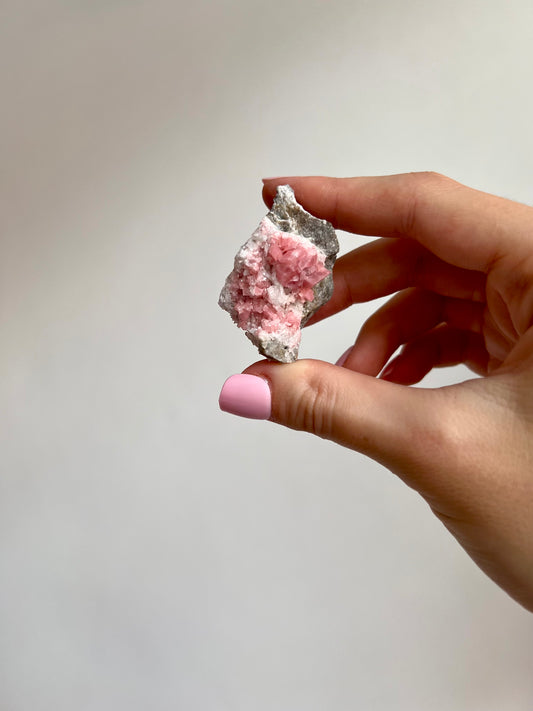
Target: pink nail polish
point(246, 396)
point(344, 356)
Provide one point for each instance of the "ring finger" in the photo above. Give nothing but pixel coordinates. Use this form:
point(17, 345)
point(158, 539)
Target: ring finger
point(406, 316)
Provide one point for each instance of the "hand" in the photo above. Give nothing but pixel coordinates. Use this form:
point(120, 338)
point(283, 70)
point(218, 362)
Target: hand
point(460, 265)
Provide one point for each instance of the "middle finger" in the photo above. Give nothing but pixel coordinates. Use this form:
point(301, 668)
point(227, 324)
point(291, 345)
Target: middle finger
point(387, 265)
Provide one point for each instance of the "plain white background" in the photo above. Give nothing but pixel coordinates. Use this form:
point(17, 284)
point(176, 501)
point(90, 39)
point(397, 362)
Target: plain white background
point(154, 552)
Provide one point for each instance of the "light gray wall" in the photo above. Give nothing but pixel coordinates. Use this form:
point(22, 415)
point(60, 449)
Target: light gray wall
point(154, 552)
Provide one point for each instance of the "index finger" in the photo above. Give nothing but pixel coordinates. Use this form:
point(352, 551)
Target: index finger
point(462, 226)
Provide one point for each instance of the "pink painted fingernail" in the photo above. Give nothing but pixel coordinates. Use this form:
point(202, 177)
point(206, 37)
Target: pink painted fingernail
point(246, 396)
point(344, 356)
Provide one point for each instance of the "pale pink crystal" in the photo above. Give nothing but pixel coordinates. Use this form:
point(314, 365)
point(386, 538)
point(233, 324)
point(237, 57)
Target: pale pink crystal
point(275, 259)
point(271, 290)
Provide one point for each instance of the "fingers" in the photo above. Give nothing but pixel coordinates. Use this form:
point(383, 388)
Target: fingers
point(385, 266)
point(498, 343)
point(462, 226)
point(407, 316)
point(443, 346)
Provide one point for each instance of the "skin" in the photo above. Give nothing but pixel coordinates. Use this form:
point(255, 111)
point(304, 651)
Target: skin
point(459, 264)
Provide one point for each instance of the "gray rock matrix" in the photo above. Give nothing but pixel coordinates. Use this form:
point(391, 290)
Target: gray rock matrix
point(289, 216)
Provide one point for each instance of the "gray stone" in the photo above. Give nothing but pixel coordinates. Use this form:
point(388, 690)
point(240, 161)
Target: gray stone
point(289, 216)
point(313, 238)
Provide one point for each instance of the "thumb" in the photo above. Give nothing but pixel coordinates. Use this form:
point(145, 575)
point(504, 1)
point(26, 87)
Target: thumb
point(457, 446)
point(395, 425)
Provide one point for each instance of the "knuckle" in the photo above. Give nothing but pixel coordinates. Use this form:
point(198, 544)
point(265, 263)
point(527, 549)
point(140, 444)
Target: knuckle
point(428, 179)
point(445, 429)
point(420, 187)
point(314, 404)
point(518, 296)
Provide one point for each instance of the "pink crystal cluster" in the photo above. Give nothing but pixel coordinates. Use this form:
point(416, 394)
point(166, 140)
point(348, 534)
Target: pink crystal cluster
point(281, 276)
point(273, 278)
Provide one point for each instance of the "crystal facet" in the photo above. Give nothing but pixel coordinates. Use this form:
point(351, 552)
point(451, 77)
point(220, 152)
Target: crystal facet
point(281, 276)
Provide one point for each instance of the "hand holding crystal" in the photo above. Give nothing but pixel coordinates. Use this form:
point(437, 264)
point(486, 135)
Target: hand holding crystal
point(459, 266)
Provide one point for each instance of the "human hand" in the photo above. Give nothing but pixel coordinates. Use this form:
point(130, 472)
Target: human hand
point(460, 263)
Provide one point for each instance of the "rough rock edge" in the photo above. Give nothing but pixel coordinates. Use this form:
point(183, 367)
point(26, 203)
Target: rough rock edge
point(289, 216)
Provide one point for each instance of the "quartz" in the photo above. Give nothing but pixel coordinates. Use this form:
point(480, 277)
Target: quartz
point(281, 277)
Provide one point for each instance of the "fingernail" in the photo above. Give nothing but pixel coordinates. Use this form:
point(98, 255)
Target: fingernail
point(344, 356)
point(246, 396)
point(388, 370)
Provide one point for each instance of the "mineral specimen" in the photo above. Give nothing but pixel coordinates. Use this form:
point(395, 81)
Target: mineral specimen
point(281, 276)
